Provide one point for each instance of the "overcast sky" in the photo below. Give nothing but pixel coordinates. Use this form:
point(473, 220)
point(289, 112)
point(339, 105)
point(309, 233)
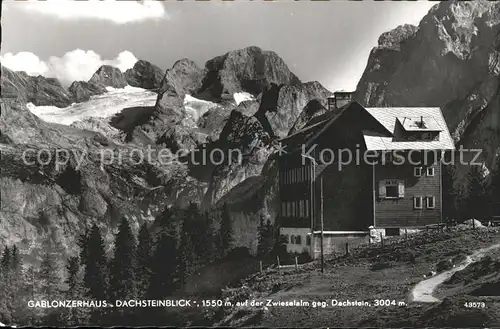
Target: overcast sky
point(326, 41)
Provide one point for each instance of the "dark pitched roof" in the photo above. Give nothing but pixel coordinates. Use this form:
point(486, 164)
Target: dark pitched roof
point(386, 117)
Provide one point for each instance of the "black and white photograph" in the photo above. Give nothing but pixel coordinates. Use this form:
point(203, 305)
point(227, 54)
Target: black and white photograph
point(250, 163)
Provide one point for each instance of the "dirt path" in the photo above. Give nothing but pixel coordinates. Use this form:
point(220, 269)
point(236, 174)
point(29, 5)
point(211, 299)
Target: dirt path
point(423, 291)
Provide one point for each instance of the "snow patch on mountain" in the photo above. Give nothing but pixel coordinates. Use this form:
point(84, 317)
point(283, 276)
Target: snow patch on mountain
point(99, 106)
point(195, 108)
point(242, 96)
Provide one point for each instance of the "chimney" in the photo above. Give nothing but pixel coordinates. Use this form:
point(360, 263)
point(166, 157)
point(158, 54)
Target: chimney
point(340, 99)
point(331, 103)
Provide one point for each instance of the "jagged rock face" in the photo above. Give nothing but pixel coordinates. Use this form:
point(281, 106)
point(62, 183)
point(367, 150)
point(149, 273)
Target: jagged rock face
point(283, 109)
point(56, 203)
point(82, 91)
point(250, 69)
point(313, 109)
point(181, 138)
point(19, 126)
point(452, 61)
point(37, 90)
point(98, 125)
point(214, 121)
point(245, 135)
point(109, 76)
point(144, 75)
point(183, 78)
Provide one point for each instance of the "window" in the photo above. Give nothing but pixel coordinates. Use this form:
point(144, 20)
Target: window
point(430, 171)
point(301, 208)
point(417, 171)
point(293, 209)
point(306, 208)
point(308, 240)
point(289, 209)
point(427, 137)
point(430, 202)
point(287, 238)
point(283, 209)
point(292, 239)
point(392, 231)
point(417, 202)
point(298, 239)
point(391, 189)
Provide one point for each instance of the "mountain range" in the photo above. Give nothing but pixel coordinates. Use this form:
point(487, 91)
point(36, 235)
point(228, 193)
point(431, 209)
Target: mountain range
point(245, 99)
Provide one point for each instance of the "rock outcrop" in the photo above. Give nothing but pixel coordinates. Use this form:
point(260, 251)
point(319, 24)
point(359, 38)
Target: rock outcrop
point(144, 75)
point(82, 91)
point(95, 181)
point(249, 69)
point(109, 76)
point(285, 106)
point(37, 90)
point(451, 60)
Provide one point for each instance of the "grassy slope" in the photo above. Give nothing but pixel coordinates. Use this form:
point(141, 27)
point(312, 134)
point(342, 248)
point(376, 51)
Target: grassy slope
point(366, 274)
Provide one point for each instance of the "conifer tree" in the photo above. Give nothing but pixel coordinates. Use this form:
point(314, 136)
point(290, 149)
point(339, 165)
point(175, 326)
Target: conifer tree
point(75, 316)
point(164, 267)
point(73, 275)
point(187, 256)
point(144, 262)
point(96, 271)
point(50, 280)
point(206, 238)
point(123, 264)
point(494, 187)
point(5, 288)
point(49, 275)
point(15, 260)
point(260, 236)
point(265, 237)
point(226, 230)
point(450, 193)
point(6, 256)
point(190, 232)
point(475, 202)
point(83, 244)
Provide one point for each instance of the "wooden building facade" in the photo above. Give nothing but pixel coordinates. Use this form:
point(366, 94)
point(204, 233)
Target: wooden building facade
point(356, 168)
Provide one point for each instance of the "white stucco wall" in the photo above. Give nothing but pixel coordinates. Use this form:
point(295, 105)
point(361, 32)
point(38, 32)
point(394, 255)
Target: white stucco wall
point(335, 243)
point(302, 232)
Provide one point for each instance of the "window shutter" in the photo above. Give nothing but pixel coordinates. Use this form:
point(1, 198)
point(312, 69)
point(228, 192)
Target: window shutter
point(381, 189)
point(401, 188)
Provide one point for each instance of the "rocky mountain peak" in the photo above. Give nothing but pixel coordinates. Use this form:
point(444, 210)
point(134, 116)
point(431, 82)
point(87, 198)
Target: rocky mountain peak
point(38, 90)
point(144, 75)
point(250, 69)
point(82, 91)
point(393, 38)
point(109, 76)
